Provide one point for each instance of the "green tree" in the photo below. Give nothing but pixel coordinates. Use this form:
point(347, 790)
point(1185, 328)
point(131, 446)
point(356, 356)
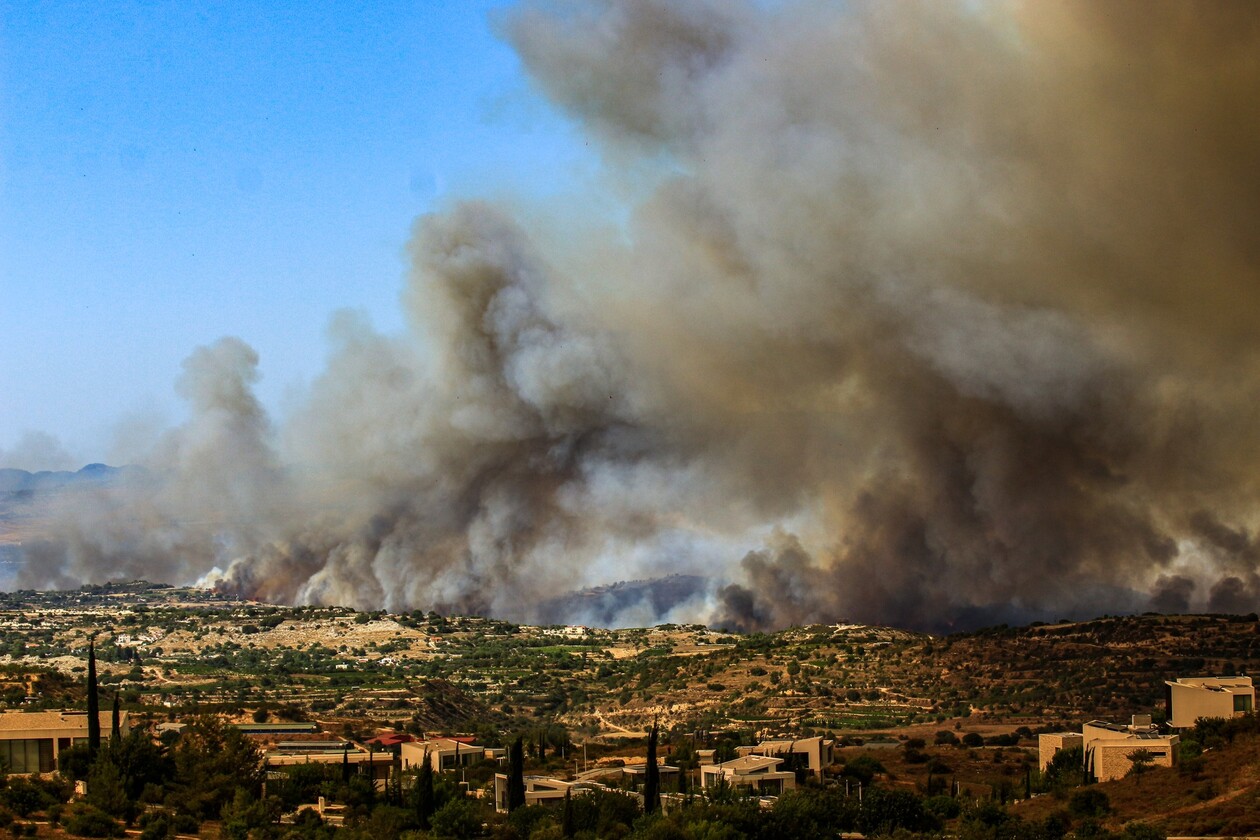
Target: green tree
point(458, 819)
point(863, 769)
point(1141, 760)
point(812, 814)
point(884, 811)
point(75, 762)
point(93, 701)
point(140, 762)
point(1089, 802)
point(567, 827)
point(212, 761)
point(23, 796)
point(652, 780)
point(105, 789)
point(84, 820)
point(245, 813)
point(425, 802)
point(516, 775)
point(1065, 770)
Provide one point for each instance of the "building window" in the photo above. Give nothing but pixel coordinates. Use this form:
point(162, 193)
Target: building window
point(1242, 702)
point(27, 755)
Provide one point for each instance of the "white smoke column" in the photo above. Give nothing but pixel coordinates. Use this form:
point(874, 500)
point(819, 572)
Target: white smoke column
point(210, 490)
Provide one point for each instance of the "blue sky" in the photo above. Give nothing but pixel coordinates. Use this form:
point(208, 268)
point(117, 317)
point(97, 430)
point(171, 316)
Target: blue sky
point(174, 172)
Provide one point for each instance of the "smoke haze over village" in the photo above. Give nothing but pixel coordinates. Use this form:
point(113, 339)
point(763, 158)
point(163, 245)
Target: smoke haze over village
point(934, 315)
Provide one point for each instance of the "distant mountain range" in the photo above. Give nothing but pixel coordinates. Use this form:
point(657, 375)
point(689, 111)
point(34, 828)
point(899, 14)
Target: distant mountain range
point(27, 498)
point(21, 481)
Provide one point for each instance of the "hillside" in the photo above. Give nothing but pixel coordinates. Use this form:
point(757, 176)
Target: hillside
point(165, 647)
point(1218, 797)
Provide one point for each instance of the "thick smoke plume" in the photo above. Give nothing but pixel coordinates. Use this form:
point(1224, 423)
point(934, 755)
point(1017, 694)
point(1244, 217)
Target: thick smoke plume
point(934, 314)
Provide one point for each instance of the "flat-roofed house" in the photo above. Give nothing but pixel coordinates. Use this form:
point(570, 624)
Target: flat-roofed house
point(1109, 745)
point(441, 753)
point(539, 790)
point(815, 753)
point(756, 774)
point(31, 742)
point(333, 753)
point(277, 729)
point(1191, 698)
point(636, 775)
point(1049, 744)
point(1106, 747)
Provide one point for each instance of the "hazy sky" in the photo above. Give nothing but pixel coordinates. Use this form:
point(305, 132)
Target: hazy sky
point(172, 173)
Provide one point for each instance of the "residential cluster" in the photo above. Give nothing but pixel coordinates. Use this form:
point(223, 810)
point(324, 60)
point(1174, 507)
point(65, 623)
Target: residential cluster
point(1109, 750)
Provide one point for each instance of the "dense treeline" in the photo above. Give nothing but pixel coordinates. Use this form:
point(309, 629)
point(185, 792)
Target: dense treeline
point(212, 772)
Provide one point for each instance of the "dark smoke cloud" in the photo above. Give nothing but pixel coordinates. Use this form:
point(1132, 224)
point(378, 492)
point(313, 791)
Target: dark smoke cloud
point(1172, 594)
point(935, 314)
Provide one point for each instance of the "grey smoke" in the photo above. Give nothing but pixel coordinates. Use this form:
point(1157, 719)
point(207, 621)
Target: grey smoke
point(934, 314)
point(35, 452)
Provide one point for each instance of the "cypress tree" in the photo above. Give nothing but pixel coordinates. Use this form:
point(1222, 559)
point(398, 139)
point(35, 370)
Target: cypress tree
point(516, 774)
point(93, 702)
point(425, 805)
point(652, 786)
point(566, 822)
point(115, 721)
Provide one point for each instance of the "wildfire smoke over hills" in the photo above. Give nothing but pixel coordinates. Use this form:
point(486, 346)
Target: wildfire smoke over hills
point(932, 315)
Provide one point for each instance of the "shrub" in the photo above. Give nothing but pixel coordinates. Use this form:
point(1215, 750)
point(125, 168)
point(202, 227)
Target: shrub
point(23, 797)
point(1090, 802)
point(83, 820)
point(943, 807)
point(1142, 831)
point(155, 825)
point(863, 769)
point(186, 824)
point(458, 819)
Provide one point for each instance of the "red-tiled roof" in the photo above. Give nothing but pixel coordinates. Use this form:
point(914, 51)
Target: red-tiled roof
point(390, 739)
